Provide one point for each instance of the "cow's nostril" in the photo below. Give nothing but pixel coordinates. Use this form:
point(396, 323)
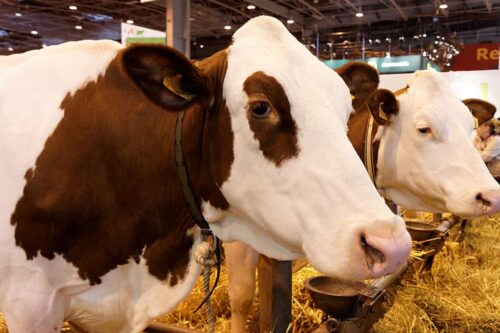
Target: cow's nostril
point(482, 200)
point(372, 255)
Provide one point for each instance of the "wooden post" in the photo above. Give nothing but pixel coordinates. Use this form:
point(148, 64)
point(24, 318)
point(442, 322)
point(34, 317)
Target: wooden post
point(275, 293)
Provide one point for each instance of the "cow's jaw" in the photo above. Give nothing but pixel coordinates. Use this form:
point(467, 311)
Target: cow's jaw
point(438, 172)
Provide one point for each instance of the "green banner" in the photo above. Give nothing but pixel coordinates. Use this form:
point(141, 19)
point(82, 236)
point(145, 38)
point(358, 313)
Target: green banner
point(149, 40)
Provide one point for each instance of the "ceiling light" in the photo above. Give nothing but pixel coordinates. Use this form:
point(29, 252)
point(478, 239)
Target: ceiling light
point(424, 35)
point(78, 27)
point(359, 14)
point(251, 7)
point(18, 14)
point(290, 21)
point(227, 27)
point(202, 46)
point(34, 32)
point(443, 6)
point(130, 21)
point(72, 7)
point(10, 48)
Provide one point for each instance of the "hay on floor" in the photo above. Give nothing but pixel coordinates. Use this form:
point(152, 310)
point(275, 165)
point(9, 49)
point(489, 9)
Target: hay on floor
point(464, 295)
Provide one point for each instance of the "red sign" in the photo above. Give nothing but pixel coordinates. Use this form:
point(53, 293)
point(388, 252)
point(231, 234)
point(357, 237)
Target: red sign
point(477, 57)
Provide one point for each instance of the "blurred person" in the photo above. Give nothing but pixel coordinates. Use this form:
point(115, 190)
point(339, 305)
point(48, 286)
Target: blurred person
point(486, 139)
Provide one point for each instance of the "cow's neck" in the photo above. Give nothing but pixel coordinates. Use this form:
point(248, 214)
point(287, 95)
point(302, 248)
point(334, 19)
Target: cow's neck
point(357, 124)
point(110, 160)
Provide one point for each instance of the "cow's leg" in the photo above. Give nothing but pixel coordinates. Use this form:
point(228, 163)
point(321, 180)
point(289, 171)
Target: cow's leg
point(33, 308)
point(241, 262)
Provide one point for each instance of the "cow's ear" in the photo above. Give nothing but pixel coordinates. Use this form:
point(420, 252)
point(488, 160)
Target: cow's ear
point(383, 104)
point(165, 75)
point(361, 78)
point(481, 110)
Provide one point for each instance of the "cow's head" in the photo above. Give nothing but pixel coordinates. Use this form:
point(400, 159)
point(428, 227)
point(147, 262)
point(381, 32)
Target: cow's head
point(289, 181)
point(429, 162)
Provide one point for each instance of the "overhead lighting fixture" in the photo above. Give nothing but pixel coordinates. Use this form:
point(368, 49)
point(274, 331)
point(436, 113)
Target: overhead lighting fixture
point(227, 27)
point(290, 21)
point(73, 7)
point(443, 6)
point(251, 7)
point(10, 48)
point(18, 14)
point(359, 14)
point(130, 21)
point(202, 46)
point(78, 27)
point(424, 35)
point(34, 32)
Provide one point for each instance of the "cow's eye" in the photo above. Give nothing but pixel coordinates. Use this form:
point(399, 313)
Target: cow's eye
point(261, 109)
point(424, 130)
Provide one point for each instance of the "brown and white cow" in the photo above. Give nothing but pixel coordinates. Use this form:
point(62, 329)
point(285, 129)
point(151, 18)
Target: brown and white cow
point(426, 160)
point(93, 225)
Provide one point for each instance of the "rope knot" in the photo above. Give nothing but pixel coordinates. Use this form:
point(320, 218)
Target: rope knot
point(204, 254)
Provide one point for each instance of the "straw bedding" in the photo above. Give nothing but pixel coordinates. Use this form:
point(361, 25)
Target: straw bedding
point(463, 296)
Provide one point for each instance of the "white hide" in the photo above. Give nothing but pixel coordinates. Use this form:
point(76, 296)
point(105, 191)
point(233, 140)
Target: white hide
point(435, 172)
point(40, 293)
point(319, 203)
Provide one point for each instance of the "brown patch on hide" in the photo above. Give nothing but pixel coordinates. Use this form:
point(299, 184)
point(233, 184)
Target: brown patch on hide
point(277, 134)
point(105, 190)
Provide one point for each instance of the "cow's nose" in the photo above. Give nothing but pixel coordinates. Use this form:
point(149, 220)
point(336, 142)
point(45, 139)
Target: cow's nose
point(488, 201)
point(385, 255)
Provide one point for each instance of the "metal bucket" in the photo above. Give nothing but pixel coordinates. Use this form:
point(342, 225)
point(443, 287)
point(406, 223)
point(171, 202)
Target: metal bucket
point(420, 230)
point(335, 297)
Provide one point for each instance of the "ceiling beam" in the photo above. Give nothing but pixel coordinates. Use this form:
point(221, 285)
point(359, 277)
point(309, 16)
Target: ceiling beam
point(392, 4)
point(230, 8)
point(351, 5)
point(487, 3)
point(319, 15)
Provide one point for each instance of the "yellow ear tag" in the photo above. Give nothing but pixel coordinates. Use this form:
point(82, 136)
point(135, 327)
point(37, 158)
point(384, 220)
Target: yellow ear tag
point(353, 97)
point(172, 83)
point(381, 112)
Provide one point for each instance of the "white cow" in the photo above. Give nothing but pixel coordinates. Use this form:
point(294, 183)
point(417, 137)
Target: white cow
point(426, 161)
point(94, 228)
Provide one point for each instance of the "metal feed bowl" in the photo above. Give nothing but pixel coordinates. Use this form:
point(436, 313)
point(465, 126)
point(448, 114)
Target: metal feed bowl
point(419, 230)
point(335, 297)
